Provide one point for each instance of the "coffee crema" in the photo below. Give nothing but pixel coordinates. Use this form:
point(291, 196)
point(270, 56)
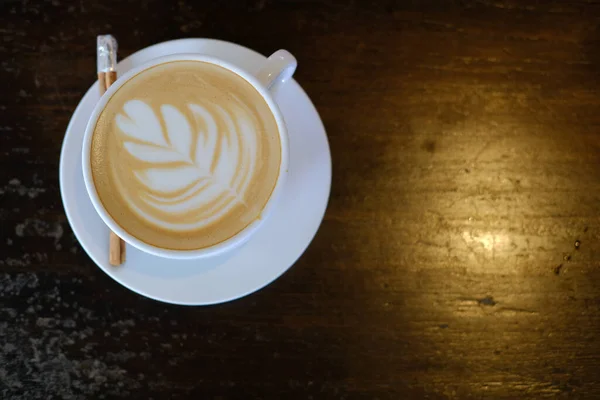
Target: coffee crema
point(185, 155)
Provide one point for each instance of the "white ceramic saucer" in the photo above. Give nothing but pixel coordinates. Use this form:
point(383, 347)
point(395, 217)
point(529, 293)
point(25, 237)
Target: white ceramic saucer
point(268, 254)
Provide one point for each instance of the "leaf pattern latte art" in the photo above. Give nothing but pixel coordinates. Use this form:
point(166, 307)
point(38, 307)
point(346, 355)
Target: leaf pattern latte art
point(197, 161)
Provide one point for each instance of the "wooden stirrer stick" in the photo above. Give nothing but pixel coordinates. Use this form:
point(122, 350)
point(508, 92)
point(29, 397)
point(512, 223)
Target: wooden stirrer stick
point(107, 75)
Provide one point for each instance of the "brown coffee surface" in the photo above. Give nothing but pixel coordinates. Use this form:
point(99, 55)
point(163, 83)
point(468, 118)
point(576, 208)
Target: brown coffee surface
point(185, 155)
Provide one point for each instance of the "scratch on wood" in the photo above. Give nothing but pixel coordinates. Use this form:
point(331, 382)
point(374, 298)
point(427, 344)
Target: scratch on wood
point(487, 301)
point(514, 311)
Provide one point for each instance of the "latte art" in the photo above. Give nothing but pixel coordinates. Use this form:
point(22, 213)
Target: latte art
point(185, 155)
point(187, 169)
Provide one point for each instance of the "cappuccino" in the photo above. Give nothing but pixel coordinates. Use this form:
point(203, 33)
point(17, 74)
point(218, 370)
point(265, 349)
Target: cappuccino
point(185, 155)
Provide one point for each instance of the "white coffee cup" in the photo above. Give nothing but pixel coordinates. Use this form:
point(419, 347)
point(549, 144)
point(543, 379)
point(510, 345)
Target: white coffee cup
point(278, 68)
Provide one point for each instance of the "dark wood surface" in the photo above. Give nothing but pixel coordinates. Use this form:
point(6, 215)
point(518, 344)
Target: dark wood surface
point(466, 166)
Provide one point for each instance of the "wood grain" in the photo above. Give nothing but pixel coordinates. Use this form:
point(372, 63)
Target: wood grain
point(466, 160)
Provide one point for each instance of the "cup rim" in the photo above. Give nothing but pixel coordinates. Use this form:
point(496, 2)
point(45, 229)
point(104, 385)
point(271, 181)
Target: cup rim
point(228, 244)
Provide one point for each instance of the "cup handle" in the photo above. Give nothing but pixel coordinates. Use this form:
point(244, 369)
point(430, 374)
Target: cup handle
point(279, 67)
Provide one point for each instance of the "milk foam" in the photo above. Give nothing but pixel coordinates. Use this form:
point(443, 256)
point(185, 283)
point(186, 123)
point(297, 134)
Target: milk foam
point(187, 154)
point(190, 156)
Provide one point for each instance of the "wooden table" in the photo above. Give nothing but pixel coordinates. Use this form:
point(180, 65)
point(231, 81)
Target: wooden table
point(460, 253)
